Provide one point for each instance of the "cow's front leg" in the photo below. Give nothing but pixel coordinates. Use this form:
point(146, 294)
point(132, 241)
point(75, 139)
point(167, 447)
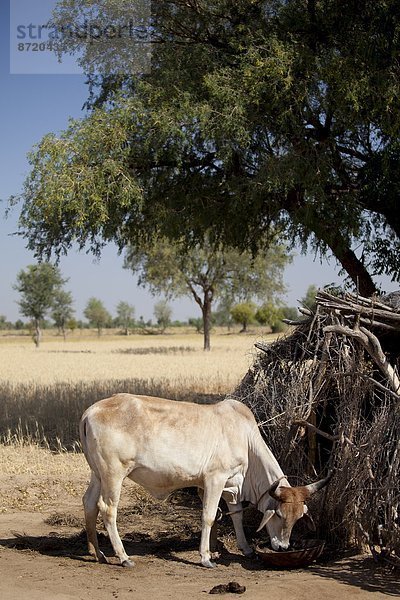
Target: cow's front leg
point(212, 493)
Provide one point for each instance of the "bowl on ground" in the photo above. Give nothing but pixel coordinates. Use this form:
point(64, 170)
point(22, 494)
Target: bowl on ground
point(300, 554)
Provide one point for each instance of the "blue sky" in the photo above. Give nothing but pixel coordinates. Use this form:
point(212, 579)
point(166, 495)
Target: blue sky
point(30, 107)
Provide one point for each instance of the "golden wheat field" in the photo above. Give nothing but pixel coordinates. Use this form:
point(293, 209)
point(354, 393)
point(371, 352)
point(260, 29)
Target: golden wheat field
point(44, 391)
point(177, 359)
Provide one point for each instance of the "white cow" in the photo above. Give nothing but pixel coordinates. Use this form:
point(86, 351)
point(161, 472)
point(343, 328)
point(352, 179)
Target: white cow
point(165, 445)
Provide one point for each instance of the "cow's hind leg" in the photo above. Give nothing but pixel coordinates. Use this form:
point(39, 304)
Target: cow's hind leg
point(236, 512)
point(213, 533)
point(108, 504)
point(90, 505)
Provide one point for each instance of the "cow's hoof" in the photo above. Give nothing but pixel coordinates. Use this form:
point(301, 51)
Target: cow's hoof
point(128, 564)
point(208, 564)
point(102, 559)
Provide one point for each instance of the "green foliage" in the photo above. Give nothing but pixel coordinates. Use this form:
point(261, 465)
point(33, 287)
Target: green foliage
point(196, 323)
point(163, 314)
point(222, 315)
point(309, 299)
point(72, 324)
point(206, 273)
point(244, 313)
point(96, 314)
point(125, 316)
point(38, 286)
point(4, 324)
point(269, 314)
point(258, 118)
point(62, 310)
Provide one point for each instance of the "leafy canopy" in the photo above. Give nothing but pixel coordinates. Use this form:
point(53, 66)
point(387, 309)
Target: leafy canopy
point(38, 285)
point(257, 118)
point(176, 271)
point(97, 314)
point(206, 273)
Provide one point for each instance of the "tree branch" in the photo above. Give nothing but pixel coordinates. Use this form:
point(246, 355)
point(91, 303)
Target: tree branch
point(372, 345)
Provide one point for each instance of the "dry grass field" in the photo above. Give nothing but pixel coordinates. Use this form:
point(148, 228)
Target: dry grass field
point(43, 391)
point(177, 359)
point(42, 545)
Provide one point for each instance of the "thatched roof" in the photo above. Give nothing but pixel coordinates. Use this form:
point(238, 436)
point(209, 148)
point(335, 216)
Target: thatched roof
point(328, 395)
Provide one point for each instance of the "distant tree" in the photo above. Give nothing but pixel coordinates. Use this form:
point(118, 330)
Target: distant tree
point(197, 323)
point(38, 285)
point(72, 324)
point(125, 316)
point(96, 314)
point(4, 324)
point(270, 314)
point(222, 316)
point(19, 324)
point(163, 314)
point(62, 310)
point(206, 273)
point(244, 313)
point(309, 299)
point(290, 312)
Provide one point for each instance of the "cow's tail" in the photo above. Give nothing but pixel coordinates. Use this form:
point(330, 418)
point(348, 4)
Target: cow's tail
point(83, 434)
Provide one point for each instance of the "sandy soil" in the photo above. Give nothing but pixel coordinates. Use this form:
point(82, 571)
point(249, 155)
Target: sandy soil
point(39, 561)
point(43, 557)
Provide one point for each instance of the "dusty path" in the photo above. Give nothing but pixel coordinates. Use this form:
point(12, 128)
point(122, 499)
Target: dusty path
point(47, 562)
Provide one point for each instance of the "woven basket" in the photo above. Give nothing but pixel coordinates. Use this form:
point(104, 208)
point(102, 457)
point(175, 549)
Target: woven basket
point(301, 557)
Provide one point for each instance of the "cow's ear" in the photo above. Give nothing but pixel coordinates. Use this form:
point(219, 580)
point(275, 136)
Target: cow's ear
point(310, 521)
point(267, 516)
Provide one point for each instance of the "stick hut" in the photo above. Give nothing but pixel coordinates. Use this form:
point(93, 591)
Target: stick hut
point(328, 396)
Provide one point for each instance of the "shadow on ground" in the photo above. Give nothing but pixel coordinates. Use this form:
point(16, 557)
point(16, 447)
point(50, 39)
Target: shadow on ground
point(361, 572)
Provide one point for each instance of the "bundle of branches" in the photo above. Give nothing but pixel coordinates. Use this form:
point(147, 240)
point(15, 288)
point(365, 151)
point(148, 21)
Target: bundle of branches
point(328, 395)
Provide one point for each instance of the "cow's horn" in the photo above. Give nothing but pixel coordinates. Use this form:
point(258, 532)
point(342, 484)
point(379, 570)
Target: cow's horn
point(273, 488)
point(318, 485)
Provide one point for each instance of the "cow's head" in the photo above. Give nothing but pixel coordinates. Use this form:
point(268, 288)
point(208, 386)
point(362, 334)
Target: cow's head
point(291, 506)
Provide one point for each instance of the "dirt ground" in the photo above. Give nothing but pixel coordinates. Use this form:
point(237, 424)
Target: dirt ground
point(43, 557)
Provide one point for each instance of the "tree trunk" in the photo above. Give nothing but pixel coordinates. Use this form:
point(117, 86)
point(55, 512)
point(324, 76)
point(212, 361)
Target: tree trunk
point(37, 336)
point(325, 232)
point(357, 271)
point(206, 310)
point(205, 306)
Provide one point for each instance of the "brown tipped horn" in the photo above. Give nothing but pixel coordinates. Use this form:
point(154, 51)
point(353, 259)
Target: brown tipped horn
point(273, 488)
point(318, 485)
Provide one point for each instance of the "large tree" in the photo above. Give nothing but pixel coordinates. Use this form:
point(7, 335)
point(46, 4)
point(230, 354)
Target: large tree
point(205, 273)
point(257, 117)
point(38, 286)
